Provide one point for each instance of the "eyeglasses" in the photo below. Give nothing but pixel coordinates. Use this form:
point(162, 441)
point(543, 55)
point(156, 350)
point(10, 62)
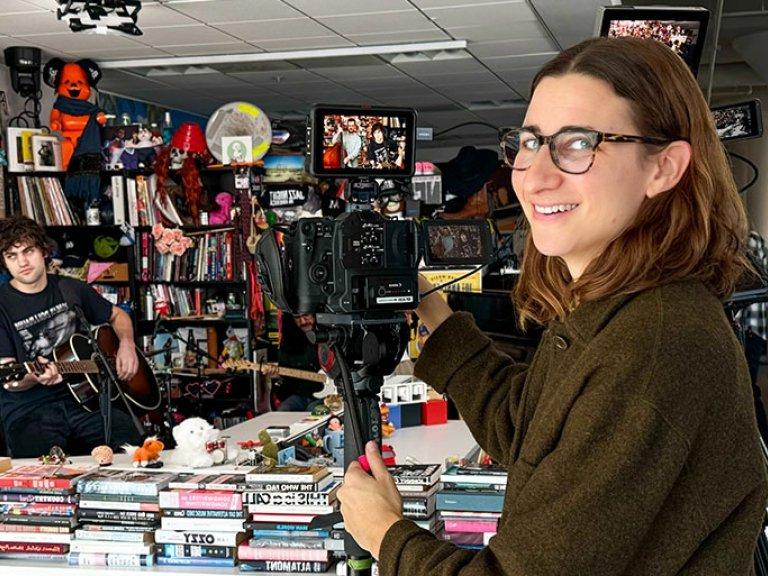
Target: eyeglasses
point(572, 149)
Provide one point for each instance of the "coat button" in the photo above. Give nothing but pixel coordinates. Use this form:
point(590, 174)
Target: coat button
point(560, 343)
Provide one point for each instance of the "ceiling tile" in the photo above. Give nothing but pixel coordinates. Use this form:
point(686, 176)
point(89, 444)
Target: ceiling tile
point(513, 47)
point(31, 24)
point(157, 15)
point(435, 68)
point(217, 11)
point(465, 92)
point(211, 80)
point(504, 63)
point(462, 79)
point(356, 73)
point(208, 49)
point(314, 8)
point(378, 23)
point(306, 43)
point(471, 14)
point(399, 36)
point(183, 35)
point(257, 30)
point(129, 52)
point(290, 77)
point(16, 6)
point(76, 43)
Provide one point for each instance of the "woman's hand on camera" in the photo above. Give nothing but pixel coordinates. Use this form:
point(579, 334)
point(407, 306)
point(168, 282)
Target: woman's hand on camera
point(371, 503)
point(432, 310)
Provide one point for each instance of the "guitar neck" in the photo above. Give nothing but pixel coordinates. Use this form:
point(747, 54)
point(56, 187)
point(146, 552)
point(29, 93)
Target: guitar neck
point(73, 367)
point(301, 374)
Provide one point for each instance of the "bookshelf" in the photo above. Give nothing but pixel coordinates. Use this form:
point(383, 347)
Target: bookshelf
point(202, 293)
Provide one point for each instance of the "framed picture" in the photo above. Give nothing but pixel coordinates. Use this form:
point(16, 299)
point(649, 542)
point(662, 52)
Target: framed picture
point(46, 153)
point(237, 149)
point(20, 157)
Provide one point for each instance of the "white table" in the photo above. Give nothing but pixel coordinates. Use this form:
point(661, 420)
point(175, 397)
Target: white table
point(427, 444)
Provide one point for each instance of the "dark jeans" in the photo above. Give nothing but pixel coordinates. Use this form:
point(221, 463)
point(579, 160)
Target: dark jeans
point(65, 424)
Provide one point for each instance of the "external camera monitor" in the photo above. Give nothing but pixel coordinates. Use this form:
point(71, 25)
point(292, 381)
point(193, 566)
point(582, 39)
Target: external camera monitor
point(682, 29)
point(349, 141)
point(456, 242)
point(738, 121)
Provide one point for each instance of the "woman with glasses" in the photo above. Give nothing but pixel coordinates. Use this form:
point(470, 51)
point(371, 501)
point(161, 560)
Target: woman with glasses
point(630, 439)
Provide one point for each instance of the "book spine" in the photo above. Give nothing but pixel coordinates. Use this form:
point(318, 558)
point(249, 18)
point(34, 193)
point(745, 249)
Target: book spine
point(174, 513)
point(104, 536)
point(245, 552)
point(94, 547)
point(293, 566)
point(216, 524)
point(201, 500)
point(176, 561)
point(52, 538)
point(39, 498)
point(288, 498)
point(45, 483)
point(201, 538)
point(33, 548)
point(194, 551)
point(290, 509)
point(254, 487)
point(107, 487)
point(110, 559)
point(89, 514)
point(469, 526)
point(33, 528)
point(117, 505)
point(41, 520)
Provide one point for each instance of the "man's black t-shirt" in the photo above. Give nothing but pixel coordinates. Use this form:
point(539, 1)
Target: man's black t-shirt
point(40, 323)
point(381, 152)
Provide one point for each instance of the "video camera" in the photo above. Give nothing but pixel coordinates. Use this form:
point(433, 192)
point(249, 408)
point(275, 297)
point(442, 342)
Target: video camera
point(361, 262)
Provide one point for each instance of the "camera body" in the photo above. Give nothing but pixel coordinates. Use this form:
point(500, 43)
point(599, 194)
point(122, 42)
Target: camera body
point(356, 263)
point(361, 262)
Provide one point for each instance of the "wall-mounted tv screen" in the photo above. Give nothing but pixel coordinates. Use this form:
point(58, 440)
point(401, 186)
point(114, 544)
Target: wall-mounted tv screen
point(683, 30)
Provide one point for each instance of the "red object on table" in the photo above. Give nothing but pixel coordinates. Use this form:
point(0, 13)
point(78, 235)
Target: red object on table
point(434, 412)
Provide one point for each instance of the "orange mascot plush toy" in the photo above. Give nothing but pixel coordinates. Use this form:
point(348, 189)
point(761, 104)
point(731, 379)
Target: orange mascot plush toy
point(146, 454)
point(78, 120)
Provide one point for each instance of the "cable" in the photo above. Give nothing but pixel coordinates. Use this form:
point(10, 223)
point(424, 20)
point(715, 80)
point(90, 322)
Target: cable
point(470, 123)
point(755, 170)
point(28, 115)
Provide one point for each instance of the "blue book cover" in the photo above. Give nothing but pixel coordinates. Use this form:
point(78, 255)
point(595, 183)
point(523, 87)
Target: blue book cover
point(474, 501)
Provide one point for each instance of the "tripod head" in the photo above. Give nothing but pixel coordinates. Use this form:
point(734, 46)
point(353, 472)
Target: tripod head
point(357, 351)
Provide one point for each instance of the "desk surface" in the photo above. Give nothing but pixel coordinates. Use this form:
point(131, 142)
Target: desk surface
point(426, 444)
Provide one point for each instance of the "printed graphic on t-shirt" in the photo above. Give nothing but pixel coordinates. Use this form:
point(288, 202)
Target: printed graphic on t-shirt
point(44, 331)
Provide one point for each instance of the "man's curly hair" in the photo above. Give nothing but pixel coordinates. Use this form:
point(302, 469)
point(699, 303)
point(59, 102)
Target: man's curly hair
point(21, 230)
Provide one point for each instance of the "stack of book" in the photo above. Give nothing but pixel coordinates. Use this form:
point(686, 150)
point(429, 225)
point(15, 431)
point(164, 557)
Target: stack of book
point(418, 485)
point(38, 508)
point(281, 502)
point(119, 512)
point(202, 522)
point(470, 504)
point(42, 199)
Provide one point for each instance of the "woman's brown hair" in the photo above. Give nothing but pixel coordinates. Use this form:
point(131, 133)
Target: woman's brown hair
point(696, 230)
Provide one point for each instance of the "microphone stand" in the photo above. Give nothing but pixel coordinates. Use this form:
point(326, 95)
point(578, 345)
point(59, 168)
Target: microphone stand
point(107, 378)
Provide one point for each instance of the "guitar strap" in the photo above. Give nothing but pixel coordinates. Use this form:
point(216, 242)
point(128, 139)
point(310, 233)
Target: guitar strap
point(67, 294)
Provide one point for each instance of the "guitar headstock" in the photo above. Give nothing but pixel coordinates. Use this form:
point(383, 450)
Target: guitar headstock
point(12, 372)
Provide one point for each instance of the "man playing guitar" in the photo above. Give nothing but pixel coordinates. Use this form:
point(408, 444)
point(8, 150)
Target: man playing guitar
point(38, 312)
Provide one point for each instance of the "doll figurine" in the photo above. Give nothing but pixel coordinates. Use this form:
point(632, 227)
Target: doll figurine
point(140, 151)
point(222, 215)
point(78, 120)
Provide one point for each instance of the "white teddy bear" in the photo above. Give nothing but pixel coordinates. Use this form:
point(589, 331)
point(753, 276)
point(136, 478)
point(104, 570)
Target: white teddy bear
point(191, 437)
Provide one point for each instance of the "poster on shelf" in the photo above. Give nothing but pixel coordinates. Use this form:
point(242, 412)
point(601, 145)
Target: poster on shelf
point(237, 149)
point(46, 154)
point(20, 157)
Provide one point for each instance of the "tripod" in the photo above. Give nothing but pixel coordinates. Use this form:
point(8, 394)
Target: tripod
point(357, 351)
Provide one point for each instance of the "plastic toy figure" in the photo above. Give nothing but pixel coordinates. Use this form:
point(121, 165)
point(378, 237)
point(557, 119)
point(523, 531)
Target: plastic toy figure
point(78, 120)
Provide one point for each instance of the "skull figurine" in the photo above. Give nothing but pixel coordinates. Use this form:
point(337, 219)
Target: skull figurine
point(177, 158)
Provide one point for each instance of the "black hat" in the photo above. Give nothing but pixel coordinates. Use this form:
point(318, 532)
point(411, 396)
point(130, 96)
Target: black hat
point(466, 174)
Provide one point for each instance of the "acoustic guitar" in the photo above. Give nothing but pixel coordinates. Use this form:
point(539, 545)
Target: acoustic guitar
point(74, 357)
